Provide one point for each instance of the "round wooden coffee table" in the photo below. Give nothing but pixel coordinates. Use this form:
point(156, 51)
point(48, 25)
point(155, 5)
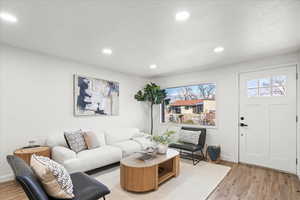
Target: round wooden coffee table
point(142, 176)
point(26, 153)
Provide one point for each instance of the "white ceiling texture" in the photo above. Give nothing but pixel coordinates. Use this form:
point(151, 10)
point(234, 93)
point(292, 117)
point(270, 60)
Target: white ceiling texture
point(144, 32)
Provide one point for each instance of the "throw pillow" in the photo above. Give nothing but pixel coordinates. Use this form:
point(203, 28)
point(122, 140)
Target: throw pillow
point(145, 142)
point(75, 140)
point(91, 140)
point(53, 176)
point(191, 137)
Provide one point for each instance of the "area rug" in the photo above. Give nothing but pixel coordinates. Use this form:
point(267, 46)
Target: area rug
point(194, 182)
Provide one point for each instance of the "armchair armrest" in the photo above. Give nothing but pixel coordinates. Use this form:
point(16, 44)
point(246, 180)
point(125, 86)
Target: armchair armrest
point(62, 154)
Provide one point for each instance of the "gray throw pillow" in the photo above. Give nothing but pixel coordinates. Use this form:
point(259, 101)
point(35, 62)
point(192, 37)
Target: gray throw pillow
point(75, 140)
point(187, 136)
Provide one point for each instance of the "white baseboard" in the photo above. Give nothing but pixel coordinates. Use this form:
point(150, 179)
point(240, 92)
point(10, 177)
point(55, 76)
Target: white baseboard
point(7, 177)
point(227, 158)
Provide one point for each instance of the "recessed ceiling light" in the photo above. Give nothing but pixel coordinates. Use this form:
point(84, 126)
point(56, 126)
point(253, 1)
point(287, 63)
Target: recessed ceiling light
point(7, 17)
point(182, 16)
point(153, 66)
point(219, 49)
point(107, 51)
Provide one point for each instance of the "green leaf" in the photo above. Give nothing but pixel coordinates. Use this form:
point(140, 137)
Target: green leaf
point(151, 93)
point(140, 96)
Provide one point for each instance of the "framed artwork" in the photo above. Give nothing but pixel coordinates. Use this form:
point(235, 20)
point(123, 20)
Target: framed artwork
point(93, 97)
point(194, 105)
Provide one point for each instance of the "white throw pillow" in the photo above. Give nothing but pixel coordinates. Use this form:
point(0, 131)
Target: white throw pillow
point(144, 142)
point(115, 135)
point(191, 137)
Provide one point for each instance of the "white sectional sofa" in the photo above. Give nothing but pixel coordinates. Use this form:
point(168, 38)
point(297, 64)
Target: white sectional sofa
point(114, 145)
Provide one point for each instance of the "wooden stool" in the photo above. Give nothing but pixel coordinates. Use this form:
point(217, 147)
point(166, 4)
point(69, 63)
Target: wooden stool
point(26, 153)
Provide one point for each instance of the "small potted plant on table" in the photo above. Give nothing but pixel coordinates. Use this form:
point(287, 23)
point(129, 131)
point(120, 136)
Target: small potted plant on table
point(163, 141)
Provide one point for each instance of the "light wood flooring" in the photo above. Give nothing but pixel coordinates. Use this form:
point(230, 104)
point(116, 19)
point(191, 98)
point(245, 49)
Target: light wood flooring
point(243, 182)
point(247, 182)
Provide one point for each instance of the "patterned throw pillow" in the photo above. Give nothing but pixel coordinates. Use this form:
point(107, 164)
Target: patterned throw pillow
point(75, 140)
point(54, 177)
point(187, 136)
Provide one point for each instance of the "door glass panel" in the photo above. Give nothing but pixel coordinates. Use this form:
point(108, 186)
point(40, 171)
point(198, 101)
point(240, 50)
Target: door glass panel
point(263, 92)
point(252, 83)
point(279, 80)
point(253, 92)
point(278, 91)
point(265, 82)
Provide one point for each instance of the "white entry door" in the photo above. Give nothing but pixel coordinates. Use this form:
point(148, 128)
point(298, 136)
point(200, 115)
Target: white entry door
point(268, 118)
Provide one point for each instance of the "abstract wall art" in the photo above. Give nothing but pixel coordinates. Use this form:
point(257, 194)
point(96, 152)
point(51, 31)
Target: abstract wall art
point(93, 97)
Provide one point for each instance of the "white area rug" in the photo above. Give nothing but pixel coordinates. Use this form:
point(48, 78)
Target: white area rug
point(194, 182)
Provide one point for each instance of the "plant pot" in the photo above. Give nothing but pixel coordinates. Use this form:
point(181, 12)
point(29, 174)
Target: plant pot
point(162, 148)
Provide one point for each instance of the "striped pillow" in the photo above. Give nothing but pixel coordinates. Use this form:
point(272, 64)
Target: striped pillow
point(191, 137)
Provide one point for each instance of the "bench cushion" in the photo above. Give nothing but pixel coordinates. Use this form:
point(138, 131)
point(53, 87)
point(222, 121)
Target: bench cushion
point(187, 147)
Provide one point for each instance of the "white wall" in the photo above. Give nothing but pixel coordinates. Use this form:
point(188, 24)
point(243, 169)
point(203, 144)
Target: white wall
point(298, 104)
point(226, 133)
point(36, 99)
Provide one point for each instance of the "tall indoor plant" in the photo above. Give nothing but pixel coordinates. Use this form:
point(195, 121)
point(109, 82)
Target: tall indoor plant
point(152, 94)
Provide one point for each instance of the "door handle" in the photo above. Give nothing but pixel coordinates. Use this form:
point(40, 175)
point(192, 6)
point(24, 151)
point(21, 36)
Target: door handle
point(242, 124)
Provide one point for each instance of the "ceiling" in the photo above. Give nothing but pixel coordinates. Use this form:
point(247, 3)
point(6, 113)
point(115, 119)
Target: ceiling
point(144, 32)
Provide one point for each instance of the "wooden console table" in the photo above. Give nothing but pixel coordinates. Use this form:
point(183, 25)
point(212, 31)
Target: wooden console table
point(143, 176)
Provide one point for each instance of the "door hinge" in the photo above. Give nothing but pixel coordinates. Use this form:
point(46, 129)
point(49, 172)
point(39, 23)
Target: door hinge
point(297, 76)
point(296, 161)
point(297, 118)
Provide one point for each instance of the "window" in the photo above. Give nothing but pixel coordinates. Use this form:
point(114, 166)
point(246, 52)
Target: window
point(278, 86)
point(192, 104)
point(177, 110)
point(266, 87)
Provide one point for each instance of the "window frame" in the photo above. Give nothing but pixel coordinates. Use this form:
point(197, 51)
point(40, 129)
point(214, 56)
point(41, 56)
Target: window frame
point(270, 87)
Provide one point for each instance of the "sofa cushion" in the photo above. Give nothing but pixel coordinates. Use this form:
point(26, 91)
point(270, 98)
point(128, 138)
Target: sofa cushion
point(115, 135)
point(53, 176)
point(128, 147)
point(61, 154)
point(56, 140)
point(94, 158)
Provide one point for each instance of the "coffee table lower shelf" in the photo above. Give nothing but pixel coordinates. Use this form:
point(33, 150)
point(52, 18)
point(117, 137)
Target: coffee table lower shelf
point(164, 177)
point(144, 179)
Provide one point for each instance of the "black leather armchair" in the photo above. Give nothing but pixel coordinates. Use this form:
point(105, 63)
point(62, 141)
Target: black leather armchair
point(85, 187)
point(187, 150)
